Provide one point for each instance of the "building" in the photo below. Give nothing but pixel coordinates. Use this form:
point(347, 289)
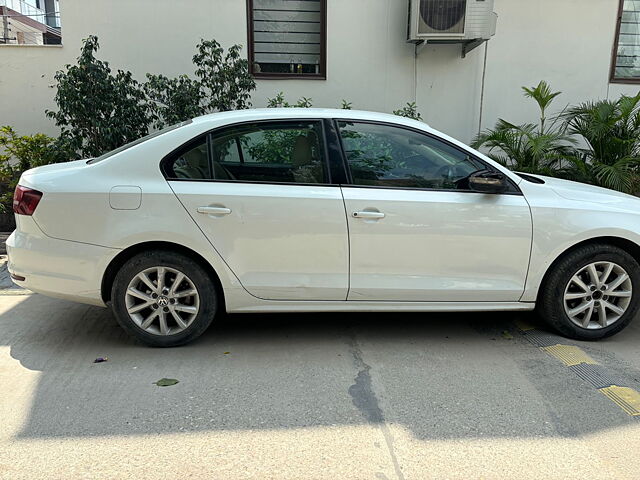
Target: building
point(355, 50)
point(30, 22)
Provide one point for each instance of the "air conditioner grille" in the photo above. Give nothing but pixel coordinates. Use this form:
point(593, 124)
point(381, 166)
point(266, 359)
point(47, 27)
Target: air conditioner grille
point(443, 15)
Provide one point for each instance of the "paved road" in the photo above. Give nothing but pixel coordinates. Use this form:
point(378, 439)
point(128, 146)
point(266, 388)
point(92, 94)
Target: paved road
point(411, 396)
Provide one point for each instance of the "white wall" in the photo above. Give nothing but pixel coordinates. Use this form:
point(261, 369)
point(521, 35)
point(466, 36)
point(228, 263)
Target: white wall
point(566, 42)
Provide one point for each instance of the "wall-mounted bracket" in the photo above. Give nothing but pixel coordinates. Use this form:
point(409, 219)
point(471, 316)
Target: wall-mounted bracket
point(470, 45)
point(467, 45)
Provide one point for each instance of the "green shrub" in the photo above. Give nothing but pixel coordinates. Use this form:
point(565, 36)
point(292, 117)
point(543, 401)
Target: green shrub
point(611, 130)
point(410, 110)
point(223, 83)
point(19, 153)
point(224, 78)
point(593, 142)
point(529, 148)
point(172, 100)
point(279, 102)
point(97, 110)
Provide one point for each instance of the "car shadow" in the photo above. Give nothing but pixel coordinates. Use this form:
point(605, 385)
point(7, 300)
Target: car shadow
point(439, 375)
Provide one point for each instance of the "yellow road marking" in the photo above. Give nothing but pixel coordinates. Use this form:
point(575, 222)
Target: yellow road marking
point(626, 398)
point(569, 355)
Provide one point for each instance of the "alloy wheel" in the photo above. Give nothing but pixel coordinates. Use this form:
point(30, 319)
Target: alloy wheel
point(598, 295)
point(162, 300)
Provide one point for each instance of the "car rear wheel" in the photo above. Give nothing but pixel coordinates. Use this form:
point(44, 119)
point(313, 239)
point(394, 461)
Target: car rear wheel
point(592, 293)
point(163, 298)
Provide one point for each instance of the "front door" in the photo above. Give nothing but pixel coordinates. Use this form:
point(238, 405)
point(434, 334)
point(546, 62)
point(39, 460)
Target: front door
point(260, 193)
point(417, 233)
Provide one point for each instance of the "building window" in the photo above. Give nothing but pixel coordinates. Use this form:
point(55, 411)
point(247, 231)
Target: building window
point(626, 56)
point(30, 22)
point(287, 38)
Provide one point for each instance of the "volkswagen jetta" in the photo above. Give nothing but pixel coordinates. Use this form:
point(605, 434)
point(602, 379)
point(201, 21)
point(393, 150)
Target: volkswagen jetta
point(298, 210)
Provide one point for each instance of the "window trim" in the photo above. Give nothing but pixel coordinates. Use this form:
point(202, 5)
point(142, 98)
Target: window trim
point(165, 168)
point(515, 188)
point(289, 76)
point(614, 52)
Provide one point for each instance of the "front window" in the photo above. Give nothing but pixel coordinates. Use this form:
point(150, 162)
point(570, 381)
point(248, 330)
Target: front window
point(287, 38)
point(626, 59)
point(387, 156)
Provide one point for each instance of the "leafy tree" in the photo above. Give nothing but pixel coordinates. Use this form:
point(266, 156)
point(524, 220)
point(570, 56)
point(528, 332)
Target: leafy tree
point(529, 148)
point(279, 102)
point(223, 83)
point(172, 100)
point(97, 110)
point(409, 111)
point(20, 153)
point(224, 79)
point(611, 130)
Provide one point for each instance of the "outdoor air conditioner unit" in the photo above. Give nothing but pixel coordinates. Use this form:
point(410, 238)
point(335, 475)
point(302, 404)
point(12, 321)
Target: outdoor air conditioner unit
point(451, 21)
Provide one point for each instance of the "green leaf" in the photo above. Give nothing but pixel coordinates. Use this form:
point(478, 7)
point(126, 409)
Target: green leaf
point(166, 382)
point(409, 111)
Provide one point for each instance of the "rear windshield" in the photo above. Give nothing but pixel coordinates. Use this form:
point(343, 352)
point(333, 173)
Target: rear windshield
point(138, 141)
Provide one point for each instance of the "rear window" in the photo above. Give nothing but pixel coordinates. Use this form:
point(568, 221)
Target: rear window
point(274, 152)
point(138, 142)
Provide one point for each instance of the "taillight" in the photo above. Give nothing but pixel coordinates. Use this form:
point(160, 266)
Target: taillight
point(25, 200)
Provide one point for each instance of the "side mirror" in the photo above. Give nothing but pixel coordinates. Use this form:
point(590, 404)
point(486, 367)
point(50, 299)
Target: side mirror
point(486, 181)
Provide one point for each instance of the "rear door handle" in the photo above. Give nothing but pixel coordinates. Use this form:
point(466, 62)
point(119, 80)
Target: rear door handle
point(214, 210)
point(367, 214)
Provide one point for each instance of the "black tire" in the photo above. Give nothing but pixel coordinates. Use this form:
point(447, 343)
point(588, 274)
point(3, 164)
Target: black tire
point(550, 305)
point(165, 258)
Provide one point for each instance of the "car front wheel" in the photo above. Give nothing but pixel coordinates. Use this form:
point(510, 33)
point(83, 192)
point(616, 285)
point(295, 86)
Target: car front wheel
point(163, 298)
point(592, 293)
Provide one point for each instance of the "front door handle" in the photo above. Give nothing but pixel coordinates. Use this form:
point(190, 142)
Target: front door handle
point(214, 210)
point(368, 214)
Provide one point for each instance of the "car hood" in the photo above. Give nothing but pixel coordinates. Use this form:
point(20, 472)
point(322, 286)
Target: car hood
point(585, 192)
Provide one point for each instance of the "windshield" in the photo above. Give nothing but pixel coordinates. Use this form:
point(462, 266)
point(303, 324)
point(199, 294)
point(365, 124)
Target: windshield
point(138, 141)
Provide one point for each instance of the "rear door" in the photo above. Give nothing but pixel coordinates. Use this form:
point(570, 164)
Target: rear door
point(261, 193)
point(417, 232)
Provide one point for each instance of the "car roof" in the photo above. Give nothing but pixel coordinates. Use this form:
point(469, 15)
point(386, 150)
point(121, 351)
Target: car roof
point(304, 113)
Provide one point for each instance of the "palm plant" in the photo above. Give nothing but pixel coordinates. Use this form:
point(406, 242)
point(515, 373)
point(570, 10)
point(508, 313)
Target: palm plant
point(529, 148)
point(611, 131)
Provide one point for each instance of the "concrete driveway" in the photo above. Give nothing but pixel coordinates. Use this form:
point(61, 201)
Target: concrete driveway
point(394, 396)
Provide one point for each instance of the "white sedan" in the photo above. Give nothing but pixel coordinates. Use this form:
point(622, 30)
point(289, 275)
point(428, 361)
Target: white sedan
point(299, 210)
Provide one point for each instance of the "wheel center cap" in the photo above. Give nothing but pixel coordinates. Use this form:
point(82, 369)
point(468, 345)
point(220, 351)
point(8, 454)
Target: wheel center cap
point(597, 295)
point(163, 301)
